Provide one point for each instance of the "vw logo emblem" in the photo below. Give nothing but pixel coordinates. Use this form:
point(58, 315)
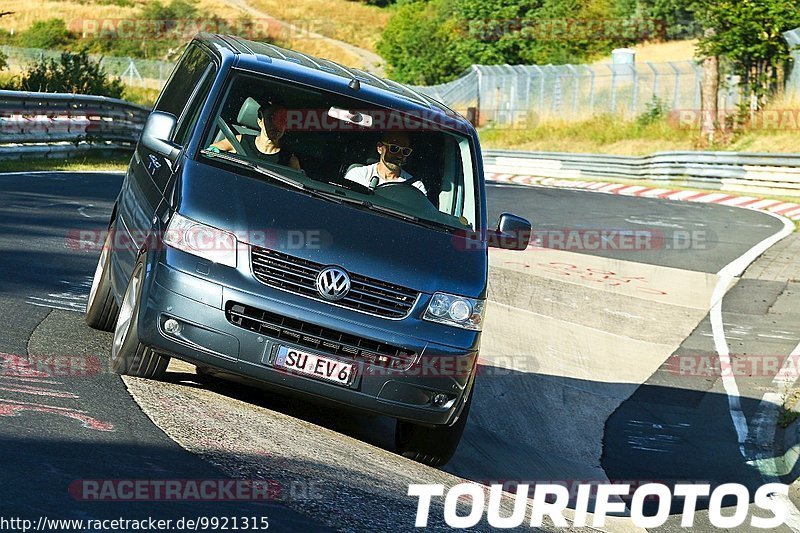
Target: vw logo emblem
point(333, 283)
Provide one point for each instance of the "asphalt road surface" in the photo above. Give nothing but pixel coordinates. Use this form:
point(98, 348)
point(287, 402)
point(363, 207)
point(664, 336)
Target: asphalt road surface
point(67, 420)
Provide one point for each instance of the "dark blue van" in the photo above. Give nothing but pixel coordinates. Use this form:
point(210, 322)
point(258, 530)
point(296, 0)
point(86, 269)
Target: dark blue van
point(309, 227)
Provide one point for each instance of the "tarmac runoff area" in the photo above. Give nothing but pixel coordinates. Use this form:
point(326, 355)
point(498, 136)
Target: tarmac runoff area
point(568, 337)
point(577, 334)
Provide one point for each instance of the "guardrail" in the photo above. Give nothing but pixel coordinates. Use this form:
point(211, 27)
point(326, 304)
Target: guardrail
point(36, 125)
point(64, 125)
point(759, 173)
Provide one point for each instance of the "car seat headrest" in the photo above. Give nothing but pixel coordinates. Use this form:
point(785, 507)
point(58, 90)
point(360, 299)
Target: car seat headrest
point(248, 114)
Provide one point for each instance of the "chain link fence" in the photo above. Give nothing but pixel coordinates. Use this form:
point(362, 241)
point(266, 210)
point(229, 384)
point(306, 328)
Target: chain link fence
point(793, 81)
point(514, 95)
point(506, 94)
point(134, 72)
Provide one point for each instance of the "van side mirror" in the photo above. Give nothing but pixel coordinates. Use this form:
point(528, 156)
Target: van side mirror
point(157, 133)
point(512, 233)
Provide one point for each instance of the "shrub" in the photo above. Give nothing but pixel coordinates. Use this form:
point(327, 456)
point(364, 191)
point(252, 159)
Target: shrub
point(51, 33)
point(656, 111)
point(72, 73)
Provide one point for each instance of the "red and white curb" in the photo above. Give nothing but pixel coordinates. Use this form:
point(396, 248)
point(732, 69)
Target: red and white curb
point(787, 209)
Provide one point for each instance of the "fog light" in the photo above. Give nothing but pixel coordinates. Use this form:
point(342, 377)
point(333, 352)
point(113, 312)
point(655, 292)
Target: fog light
point(172, 326)
point(440, 399)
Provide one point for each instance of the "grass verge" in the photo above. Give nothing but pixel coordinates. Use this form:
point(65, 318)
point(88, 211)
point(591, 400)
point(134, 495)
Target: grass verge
point(788, 412)
point(78, 164)
point(604, 133)
point(774, 130)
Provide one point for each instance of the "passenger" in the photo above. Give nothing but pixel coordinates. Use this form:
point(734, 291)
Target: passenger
point(266, 145)
point(394, 149)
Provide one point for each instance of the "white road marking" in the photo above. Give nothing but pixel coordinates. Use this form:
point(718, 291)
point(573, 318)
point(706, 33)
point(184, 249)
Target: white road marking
point(761, 425)
point(763, 429)
point(657, 223)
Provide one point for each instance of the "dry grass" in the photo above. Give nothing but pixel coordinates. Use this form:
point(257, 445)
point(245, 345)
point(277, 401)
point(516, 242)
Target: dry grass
point(351, 22)
point(324, 49)
point(73, 13)
point(775, 131)
point(662, 52)
point(348, 17)
point(605, 133)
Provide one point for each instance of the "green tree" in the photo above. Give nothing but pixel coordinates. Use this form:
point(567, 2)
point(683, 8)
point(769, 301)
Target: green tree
point(749, 35)
point(72, 73)
point(176, 9)
point(432, 41)
point(418, 43)
point(678, 17)
point(164, 36)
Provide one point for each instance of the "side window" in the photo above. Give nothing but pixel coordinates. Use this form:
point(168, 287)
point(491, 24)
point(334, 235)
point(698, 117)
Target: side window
point(187, 122)
point(185, 79)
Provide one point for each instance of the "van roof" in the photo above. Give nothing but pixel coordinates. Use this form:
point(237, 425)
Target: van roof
point(327, 68)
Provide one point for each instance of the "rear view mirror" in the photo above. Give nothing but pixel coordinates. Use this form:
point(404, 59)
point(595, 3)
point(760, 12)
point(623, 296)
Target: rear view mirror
point(353, 117)
point(157, 133)
point(512, 233)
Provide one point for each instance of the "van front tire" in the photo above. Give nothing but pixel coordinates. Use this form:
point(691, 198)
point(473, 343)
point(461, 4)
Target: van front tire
point(433, 446)
point(128, 355)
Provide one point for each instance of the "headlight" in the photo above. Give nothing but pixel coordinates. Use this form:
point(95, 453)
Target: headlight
point(454, 310)
point(201, 240)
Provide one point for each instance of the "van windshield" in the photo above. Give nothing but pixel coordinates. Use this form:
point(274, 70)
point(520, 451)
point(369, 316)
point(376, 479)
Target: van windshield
point(397, 163)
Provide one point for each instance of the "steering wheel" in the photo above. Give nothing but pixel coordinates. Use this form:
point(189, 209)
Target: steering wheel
point(228, 133)
point(403, 192)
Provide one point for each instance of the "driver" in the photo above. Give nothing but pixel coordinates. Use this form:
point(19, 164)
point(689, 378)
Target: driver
point(266, 145)
point(393, 148)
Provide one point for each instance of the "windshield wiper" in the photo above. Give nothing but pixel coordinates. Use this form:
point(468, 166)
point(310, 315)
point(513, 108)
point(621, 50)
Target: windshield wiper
point(366, 204)
point(258, 168)
point(313, 191)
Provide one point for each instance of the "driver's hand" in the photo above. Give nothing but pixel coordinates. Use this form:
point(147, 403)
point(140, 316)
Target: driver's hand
point(213, 149)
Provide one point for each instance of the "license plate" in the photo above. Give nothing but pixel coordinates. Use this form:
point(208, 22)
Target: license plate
point(314, 365)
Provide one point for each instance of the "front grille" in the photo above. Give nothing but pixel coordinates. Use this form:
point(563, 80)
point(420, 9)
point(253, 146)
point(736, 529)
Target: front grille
point(297, 275)
point(319, 338)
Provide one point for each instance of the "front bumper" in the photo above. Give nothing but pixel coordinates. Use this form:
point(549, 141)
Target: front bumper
point(208, 338)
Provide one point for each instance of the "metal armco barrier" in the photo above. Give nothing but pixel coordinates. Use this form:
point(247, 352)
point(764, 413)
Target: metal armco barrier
point(38, 125)
point(776, 174)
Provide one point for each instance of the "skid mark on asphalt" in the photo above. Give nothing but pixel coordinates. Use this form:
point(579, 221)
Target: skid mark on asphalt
point(72, 298)
point(641, 436)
